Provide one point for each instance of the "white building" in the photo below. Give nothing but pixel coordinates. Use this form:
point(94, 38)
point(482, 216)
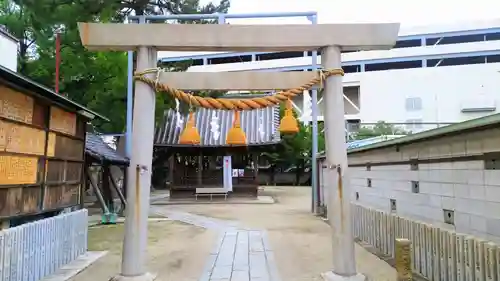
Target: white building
point(8, 49)
point(435, 74)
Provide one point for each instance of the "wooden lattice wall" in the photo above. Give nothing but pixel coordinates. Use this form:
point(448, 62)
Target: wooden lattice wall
point(41, 155)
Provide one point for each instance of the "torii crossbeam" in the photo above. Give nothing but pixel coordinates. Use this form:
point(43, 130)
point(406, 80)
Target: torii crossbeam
point(147, 39)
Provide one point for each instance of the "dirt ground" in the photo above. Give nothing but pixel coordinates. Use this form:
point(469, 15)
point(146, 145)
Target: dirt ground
point(177, 251)
point(300, 241)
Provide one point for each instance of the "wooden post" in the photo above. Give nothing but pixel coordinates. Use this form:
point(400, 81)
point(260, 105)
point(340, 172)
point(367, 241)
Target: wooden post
point(124, 187)
point(117, 189)
point(171, 164)
point(106, 188)
point(97, 192)
point(403, 259)
point(255, 159)
point(200, 170)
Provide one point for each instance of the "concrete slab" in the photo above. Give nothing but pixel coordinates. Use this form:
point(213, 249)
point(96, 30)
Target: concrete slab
point(240, 38)
point(73, 268)
point(258, 200)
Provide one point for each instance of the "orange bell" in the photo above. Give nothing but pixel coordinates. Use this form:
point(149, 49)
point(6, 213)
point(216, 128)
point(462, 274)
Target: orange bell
point(190, 134)
point(236, 135)
point(289, 124)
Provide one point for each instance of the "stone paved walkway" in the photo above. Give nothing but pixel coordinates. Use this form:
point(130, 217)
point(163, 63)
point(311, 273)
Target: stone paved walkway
point(240, 254)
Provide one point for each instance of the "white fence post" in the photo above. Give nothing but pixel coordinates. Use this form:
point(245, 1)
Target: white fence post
point(469, 258)
point(491, 262)
point(460, 256)
point(437, 254)
point(35, 250)
point(443, 254)
point(479, 256)
point(436, 235)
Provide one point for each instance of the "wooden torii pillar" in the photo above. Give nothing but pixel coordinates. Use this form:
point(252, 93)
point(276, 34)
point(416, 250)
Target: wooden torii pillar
point(330, 38)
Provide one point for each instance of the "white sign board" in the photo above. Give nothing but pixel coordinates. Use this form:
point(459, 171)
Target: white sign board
point(227, 173)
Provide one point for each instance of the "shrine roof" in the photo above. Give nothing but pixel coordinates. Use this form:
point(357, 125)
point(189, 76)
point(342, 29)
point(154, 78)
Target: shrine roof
point(261, 127)
point(101, 151)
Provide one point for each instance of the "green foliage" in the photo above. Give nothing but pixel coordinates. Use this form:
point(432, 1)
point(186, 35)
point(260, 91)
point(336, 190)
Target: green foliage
point(295, 151)
point(380, 129)
point(96, 80)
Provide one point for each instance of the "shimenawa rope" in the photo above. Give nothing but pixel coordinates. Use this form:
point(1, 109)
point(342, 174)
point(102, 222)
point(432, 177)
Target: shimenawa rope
point(233, 104)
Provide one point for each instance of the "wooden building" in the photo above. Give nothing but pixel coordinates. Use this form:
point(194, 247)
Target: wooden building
point(201, 166)
point(105, 174)
point(42, 147)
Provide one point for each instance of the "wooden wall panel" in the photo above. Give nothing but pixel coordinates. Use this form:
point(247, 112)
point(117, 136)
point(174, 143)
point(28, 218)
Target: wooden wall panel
point(51, 145)
point(68, 148)
point(3, 135)
point(53, 197)
point(71, 194)
point(15, 105)
point(62, 121)
point(21, 144)
point(23, 139)
point(55, 171)
point(40, 115)
point(19, 200)
point(61, 195)
point(10, 201)
point(30, 199)
point(74, 171)
point(41, 170)
point(18, 170)
point(81, 128)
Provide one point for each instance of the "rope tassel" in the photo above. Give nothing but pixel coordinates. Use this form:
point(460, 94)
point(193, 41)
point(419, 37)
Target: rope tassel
point(190, 134)
point(289, 124)
point(236, 135)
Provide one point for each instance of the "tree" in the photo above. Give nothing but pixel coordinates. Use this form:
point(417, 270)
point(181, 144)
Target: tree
point(380, 129)
point(96, 80)
point(295, 151)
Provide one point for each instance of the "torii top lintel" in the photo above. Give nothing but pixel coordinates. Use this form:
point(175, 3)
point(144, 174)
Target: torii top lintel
point(241, 38)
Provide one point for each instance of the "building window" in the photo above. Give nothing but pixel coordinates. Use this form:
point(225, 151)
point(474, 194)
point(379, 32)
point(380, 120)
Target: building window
point(456, 61)
point(413, 104)
point(414, 124)
point(393, 65)
point(447, 40)
point(408, 43)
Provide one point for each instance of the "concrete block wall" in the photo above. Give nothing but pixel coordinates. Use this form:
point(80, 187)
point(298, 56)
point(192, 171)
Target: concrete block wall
point(452, 178)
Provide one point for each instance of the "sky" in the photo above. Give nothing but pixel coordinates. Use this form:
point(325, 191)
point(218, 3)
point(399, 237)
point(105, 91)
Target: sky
point(408, 13)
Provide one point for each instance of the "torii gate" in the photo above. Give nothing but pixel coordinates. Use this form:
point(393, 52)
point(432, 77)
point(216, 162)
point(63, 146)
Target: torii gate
point(147, 39)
